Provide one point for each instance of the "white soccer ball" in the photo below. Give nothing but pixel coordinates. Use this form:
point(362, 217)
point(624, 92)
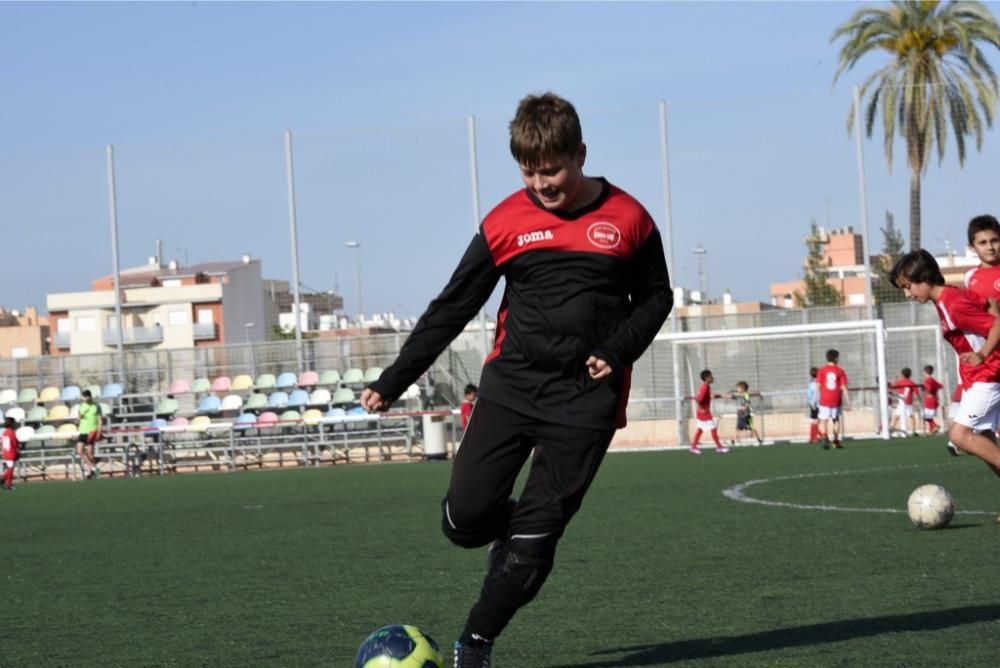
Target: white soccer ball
point(930, 507)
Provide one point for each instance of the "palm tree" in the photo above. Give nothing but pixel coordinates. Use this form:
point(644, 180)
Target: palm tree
point(936, 76)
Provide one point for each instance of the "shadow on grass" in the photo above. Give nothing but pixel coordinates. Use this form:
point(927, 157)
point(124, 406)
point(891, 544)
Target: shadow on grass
point(796, 636)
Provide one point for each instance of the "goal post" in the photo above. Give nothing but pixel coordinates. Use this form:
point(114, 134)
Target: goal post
point(774, 362)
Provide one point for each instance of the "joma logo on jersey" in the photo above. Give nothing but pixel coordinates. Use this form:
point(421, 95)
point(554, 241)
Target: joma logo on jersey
point(532, 237)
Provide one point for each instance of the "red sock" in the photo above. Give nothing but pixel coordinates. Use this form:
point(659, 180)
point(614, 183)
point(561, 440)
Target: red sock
point(8, 477)
point(715, 437)
point(813, 432)
point(932, 424)
point(697, 437)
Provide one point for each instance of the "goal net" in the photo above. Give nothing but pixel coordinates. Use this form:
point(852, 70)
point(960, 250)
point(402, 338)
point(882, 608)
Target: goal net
point(775, 364)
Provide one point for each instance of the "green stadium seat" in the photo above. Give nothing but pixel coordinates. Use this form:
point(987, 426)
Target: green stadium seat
point(372, 373)
point(265, 381)
point(167, 407)
point(28, 395)
point(255, 403)
point(353, 376)
point(329, 378)
point(36, 415)
point(201, 385)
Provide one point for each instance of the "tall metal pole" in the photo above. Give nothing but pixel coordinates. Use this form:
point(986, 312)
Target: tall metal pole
point(361, 294)
point(668, 239)
point(290, 170)
point(113, 207)
point(863, 203)
point(477, 219)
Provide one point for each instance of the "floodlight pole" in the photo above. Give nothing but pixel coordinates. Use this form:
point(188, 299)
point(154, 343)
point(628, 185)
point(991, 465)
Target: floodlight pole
point(863, 203)
point(116, 268)
point(477, 219)
point(290, 170)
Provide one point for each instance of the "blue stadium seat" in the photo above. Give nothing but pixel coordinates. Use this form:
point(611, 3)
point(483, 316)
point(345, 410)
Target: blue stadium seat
point(298, 399)
point(112, 391)
point(209, 405)
point(69, 394)
point(277, 400)
point(286, 381)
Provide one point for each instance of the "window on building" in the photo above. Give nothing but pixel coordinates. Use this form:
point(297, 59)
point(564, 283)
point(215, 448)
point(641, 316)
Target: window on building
point(205, 316)
point(63, 326)
point(171, 283)
point(18, 353)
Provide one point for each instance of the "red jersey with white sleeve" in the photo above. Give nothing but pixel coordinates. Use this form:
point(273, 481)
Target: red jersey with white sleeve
point(466, 409)
point(984, 281)
point(906, 388)
point(10, 445)
point(704, 400)
point(931, 389)
point(956, 396)
point(965, 324)
point(832, 379)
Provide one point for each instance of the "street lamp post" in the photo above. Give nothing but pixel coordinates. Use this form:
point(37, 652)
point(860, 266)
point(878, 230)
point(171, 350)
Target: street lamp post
point(702, 254)
point(356, 245)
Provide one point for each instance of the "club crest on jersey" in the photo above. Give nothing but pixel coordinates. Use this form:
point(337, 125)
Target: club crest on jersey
point(996, 285)
point(604, 235)
point(533, 237)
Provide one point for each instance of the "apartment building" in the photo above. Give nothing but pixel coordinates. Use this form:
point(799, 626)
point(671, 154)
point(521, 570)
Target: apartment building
point(23, 334)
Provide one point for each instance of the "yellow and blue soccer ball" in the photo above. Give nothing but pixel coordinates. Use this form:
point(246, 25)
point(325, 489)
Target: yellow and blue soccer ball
point(399, 646)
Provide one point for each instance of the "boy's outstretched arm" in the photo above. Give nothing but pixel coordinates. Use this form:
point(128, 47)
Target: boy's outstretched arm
point(652, 300)
point(470, 286)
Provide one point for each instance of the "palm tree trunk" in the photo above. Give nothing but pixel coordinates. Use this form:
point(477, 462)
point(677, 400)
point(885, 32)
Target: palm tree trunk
point(915, 208)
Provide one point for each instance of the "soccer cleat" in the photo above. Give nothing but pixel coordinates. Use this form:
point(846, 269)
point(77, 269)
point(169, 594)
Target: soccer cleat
point(470, 656)
point(721, 451)
point(952, 449)
point(838, 445)
point(694, 451)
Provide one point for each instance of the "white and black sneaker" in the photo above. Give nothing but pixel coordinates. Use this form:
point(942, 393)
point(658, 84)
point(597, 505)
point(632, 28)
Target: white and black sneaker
point(953, 449)
point(472, 656)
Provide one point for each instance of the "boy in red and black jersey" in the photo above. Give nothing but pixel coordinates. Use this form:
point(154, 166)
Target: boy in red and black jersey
point(586, 292)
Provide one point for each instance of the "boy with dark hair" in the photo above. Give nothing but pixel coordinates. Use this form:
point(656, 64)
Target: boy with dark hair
point(832, 381)
point(89, 428)
point(905, 390)
point(468, 403)
point(931, 387)
point(744, 413)
point(586, 292)
point(812, 399)
point(974, 333)
point(703, 415)
point(10, 452)
point(984, 240)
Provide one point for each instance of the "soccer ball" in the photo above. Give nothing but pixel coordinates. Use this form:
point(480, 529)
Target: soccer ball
point(930, 507)
point(399, 646)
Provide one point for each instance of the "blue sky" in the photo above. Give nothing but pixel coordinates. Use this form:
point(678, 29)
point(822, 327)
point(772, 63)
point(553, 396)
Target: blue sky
point(195, 98)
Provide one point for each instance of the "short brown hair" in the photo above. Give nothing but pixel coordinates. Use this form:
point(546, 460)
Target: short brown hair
point(544, 127)
point(917, 266)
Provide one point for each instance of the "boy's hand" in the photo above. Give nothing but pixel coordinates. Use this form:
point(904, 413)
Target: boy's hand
point(972, 359)
point(372, 401)
point(598, 368)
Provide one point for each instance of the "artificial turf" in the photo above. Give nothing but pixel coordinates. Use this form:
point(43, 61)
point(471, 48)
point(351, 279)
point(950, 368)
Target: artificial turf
point(296, 567)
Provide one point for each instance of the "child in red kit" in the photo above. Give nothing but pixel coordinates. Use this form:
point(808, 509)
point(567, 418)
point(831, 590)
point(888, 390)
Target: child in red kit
point(10, 452)
point(703, 415)
point(931, 389)
point(906, 389)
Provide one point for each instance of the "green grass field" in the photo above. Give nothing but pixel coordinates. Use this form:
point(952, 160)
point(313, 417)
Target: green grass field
point(296, 567)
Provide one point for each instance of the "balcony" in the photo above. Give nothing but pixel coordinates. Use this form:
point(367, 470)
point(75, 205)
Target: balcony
point(205, 330)
point(61, 340)
point(133, 336)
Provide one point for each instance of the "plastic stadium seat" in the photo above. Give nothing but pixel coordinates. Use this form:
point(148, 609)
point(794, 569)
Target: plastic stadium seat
point(209, 405)
point(353, 376)
point(241, 383)
point(70, 393)
point(291, 417)
point(372, 373)
point(312, 417)
point(58, 413)
point(320, 397)
point(167, 407)
point(67, 431)
point(179, 422)
point(329, 377)
point(24, 434)
point(308, 379)
point(336, 413)
point(27, 396)
point(277, 400)
point(74, 412)
point(244, 421)
point(298, 399)
point(265, 381)
point(200, 423)
point(201, 385)
point(267, 419)
point(255, 402)
point(48, 395)
point(179, 386)
point(112, 391)
point(357, 410)
point(155, 426)
point(343, 395)
point(48, 431)
point(36, 415)
point(286, 381)
point(16, 413)
point(8, 397)
point(95, 390)
point(222, 384)
point(106, 410)
point(232, 402)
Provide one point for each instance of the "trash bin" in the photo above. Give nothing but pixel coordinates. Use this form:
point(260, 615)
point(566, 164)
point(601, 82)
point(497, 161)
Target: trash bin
point(434, 441)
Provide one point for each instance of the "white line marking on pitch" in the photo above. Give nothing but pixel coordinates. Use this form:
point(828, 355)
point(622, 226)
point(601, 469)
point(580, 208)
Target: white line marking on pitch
point(736, 493)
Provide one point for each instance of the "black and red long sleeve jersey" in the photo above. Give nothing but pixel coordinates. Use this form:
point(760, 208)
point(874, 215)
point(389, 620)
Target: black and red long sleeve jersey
point(588, 282)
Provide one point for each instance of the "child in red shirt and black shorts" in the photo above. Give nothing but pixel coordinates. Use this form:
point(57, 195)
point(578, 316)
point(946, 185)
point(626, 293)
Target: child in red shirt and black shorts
point(10, 452)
